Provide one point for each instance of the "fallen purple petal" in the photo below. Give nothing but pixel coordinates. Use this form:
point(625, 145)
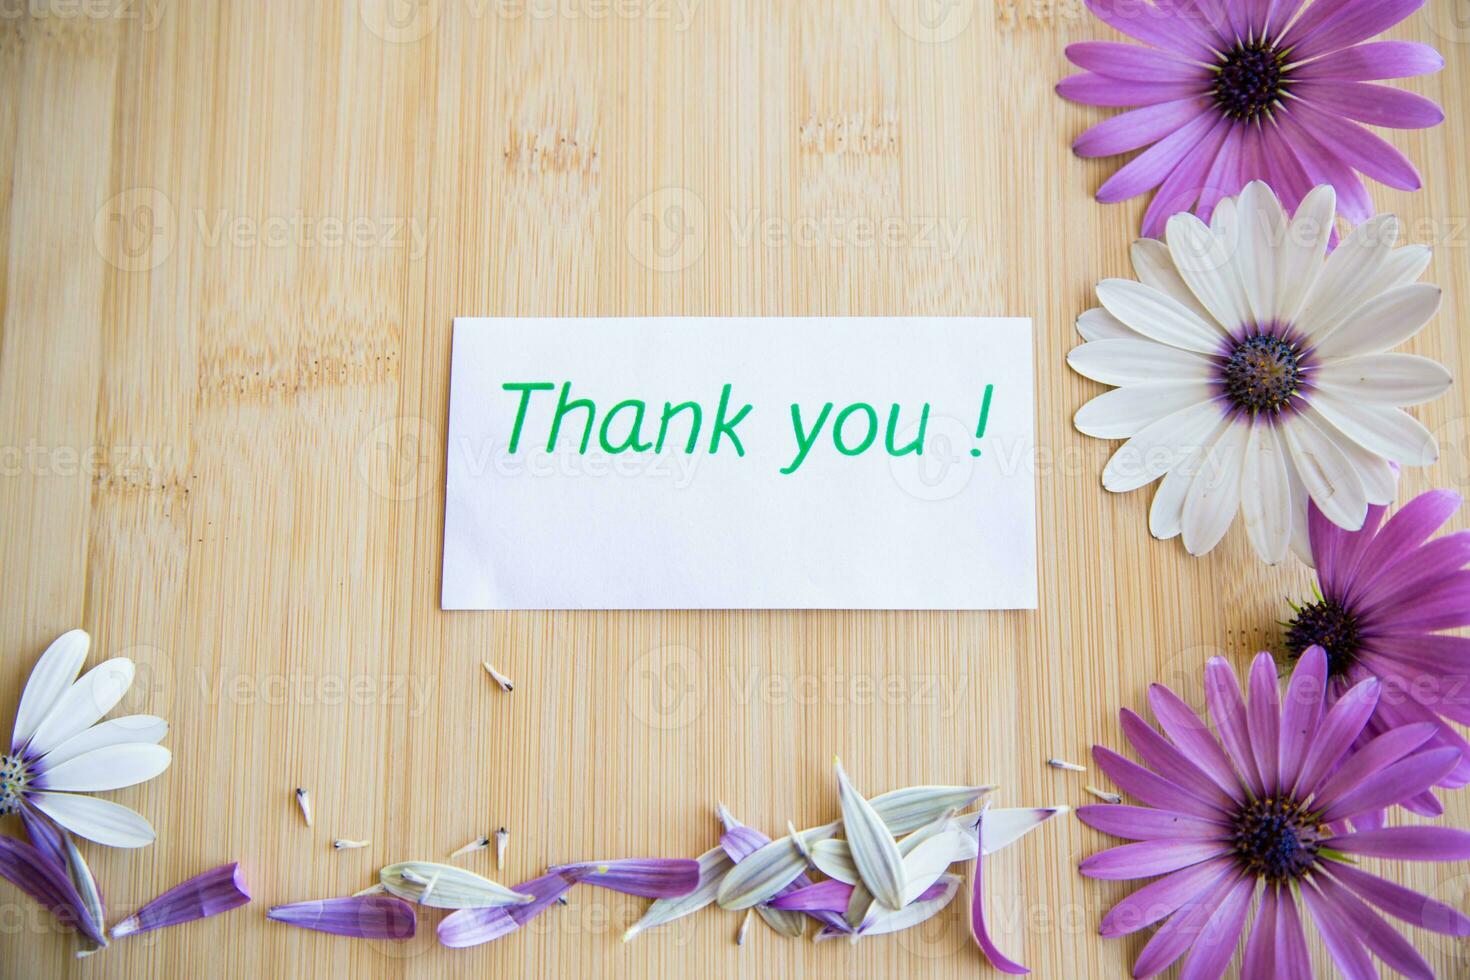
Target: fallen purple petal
point(360, 917)
point(38, 876)
point(832, 896)
point(977, 914)
point(471, 927)
point(215, 891)
point(648, 878)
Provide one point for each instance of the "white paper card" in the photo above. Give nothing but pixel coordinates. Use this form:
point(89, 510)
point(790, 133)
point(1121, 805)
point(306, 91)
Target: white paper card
point(888, 508)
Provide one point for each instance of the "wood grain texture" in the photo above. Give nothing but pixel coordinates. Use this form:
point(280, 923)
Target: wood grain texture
point(234, 237)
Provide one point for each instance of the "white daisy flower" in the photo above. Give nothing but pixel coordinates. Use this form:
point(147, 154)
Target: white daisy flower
point(58, 749)
point(1252, 373)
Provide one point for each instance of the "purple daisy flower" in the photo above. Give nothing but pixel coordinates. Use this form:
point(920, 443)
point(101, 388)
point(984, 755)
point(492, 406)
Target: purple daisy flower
point(1230, 91)
point(1261, 812)
point(1384, 593)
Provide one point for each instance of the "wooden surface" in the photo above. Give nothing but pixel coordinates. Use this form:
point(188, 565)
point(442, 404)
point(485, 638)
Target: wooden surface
point(223, 388)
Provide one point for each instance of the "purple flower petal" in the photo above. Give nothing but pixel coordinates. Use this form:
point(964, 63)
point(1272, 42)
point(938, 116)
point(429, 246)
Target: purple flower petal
point(1090, 88)
point(1301, 715)
point(210, 893)
point(43, 834)
point(1153, 166)
point(740, 842)
point(1343, 25)
point(1406, 843)
point(1188, 730)
point(1177, 934)
point(1150, 787)
point(1342, 942)
point(1400, 902)
point(1212, 950)
point(1148, 823)
point(1129, 62)
point(1340, 727)
point(359, 916)
point(1182, 188)
point(648, 878)
point(1166, 760)
point(1227, 708)
point(1373, 62)
point(1149, 858)
point(1160, 899)
point(824, 896)
point(1391, 784)
point(44, 880)
point(1260, 948)
point(1375, 754)
point(1323, 166)
point(1130, 131)
point(1263, 721)
point(471, 927)
point(977, 914)
point(1363, 150)
point(1376, 934)
point(1376, 105)
point(1157, 26)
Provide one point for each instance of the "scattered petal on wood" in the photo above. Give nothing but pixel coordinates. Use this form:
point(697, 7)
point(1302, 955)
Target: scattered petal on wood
point(502, 844)
point(713, 865)
point(471, 927)
point(500, 679)
point(217, 890)
point(1104, 795)
point(30, 870)
point(874, 850)
point(347, 844)
point(758, 877)
point(646, 877)
point(924, 908)
point(977, 915)
point(744, 928)
point(303, 800)
point(1065, 765)
point(445, 886)
point(361, 917)
point(478, 844)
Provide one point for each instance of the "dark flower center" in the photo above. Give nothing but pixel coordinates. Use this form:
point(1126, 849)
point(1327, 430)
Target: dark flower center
point(1330, 626)
point(1250, 79)
point(1276, 839)
point(15, 777)
point(1262, 373)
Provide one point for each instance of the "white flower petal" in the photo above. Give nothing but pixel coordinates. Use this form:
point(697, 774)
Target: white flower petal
point(1380, 478)
point(1208, 269)
point(1122, 412)
point(1098, 324)
point(52, 675)
point(1138, 361)
point(79, 707)
point(887, 921)
point(1383, 430)
point(1384, 379)
point(117, 731)
point(1157, 315)
point(111, 767)
point(874, 850)
point(100, 821)
point(1262, 230)
point(1265, 495)
point(1154, 266)
point(1354, 274)
point(1302, 253)
point(1405, 265)
point(1214, 496)
point(1159, 447)
point(1002, 828)
point(1166, 515)
point(1383, 322)
point(1301, 539)
point(1328, 475)
point(923, 866)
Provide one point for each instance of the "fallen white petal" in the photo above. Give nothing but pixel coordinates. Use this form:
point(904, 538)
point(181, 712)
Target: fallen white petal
point(445, 886)
point(874, 850)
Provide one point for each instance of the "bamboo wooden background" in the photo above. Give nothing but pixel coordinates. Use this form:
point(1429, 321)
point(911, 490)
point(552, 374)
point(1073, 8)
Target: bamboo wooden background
point(234, 236)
